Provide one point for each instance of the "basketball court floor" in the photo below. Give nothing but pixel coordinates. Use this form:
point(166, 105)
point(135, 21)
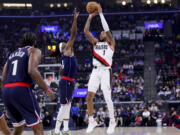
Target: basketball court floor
point(125, 131)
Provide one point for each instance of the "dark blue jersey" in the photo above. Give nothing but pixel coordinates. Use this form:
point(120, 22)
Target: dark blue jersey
point(17, 67)
point(70, 66)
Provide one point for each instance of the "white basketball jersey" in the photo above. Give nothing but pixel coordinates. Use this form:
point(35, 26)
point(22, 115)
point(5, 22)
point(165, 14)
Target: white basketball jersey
point(103, 54)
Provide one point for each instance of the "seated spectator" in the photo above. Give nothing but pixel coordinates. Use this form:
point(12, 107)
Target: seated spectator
point(154, 108)
point(106, 119)
point(165, 119)
point(47, 119)
point(142, 104)
point(119, 118)
point(100, 117)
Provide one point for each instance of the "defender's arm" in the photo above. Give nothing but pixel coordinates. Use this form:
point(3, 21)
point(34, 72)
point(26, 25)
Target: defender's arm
point(73, 31)
point(4, 75)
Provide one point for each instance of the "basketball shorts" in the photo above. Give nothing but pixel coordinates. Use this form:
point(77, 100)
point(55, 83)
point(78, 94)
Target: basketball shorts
point(22, 106)
point(100, 77)
point(66, 89)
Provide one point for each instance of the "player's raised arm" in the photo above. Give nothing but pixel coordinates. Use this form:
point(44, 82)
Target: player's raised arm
point(73, 31)
point(106, 27)
point(34, 60)
point(4, 75)
point(88, 34)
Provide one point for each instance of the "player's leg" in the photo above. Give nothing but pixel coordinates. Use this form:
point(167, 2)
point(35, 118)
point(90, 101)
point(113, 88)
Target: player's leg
point(70, 89)
point(38, 129)
point(18, 130)
point(93, 85)
point(3, 125)
point(106, 82)
point(66, 120)
point(63, 101)
point(60, 117)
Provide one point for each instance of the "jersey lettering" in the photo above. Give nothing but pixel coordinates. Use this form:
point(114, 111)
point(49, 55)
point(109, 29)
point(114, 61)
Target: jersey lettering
point(16, 54)
point(99, 47)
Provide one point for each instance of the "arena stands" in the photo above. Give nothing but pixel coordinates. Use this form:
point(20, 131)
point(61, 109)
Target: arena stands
point(167, 67)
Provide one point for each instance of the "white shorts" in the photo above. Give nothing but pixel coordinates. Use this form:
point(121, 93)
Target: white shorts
point(100, 77)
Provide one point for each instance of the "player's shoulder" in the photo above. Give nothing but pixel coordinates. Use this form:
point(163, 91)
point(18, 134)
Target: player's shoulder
point(34, 50)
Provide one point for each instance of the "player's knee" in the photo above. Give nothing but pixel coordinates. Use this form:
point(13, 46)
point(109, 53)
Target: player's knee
point(90, 96)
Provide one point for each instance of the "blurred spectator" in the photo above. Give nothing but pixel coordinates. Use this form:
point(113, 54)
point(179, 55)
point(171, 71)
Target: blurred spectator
point(75, 114)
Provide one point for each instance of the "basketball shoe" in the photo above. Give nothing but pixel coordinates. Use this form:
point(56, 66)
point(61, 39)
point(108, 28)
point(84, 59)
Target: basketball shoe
point(92, 124)
point(112, 126)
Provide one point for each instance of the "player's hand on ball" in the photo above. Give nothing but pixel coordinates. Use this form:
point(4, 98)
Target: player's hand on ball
point(51, 95)
point(93, 14)
point(99, 8)
point(76, 14)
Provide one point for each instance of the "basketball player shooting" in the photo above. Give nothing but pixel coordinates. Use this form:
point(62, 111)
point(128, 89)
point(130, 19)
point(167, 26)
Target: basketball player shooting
point(103, 51)
point(19, 74)
point(66, 84)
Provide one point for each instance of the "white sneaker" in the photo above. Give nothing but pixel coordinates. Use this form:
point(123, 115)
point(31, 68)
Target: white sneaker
point(57, 132)
point(111, 127)
point(91, 126)
point(60, 133)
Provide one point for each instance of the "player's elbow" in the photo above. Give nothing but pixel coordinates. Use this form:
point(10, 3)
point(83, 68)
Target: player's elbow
point(85, 31)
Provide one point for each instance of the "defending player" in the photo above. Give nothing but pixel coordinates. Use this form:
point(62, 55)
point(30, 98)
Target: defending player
point(18, 74)
point(101, 75)
point(66, 84)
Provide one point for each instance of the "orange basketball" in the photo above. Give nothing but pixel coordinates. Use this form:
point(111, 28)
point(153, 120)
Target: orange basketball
point(92, 7)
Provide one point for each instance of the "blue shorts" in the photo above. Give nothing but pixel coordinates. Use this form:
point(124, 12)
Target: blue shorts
point(66, 89)
point(22, 106)
point(1, 114)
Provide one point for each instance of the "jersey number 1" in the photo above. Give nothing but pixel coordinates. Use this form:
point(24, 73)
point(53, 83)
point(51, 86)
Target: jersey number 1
point(14, 67)
point(104, 52)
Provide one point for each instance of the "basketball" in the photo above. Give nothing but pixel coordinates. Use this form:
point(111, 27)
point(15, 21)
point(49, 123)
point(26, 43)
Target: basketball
point(92, 7)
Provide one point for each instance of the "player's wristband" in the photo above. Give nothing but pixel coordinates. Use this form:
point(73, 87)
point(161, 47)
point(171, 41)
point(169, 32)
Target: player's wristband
point(48, 89)
point(104, 23)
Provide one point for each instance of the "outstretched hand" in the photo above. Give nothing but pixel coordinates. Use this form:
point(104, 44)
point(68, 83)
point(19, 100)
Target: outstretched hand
point(99, 8)
point(76, 14)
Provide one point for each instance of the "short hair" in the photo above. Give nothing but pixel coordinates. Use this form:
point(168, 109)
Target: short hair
point(29, 38)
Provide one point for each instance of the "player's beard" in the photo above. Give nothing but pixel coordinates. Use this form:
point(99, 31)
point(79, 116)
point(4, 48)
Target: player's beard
point(35, 44)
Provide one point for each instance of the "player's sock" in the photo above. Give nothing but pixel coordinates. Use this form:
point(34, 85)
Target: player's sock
point(66, 117)
point(60, 118)
point(91, 118)
point(57, 128)
point(66, 125)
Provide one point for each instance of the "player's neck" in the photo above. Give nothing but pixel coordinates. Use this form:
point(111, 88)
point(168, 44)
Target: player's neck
point(104, 40)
